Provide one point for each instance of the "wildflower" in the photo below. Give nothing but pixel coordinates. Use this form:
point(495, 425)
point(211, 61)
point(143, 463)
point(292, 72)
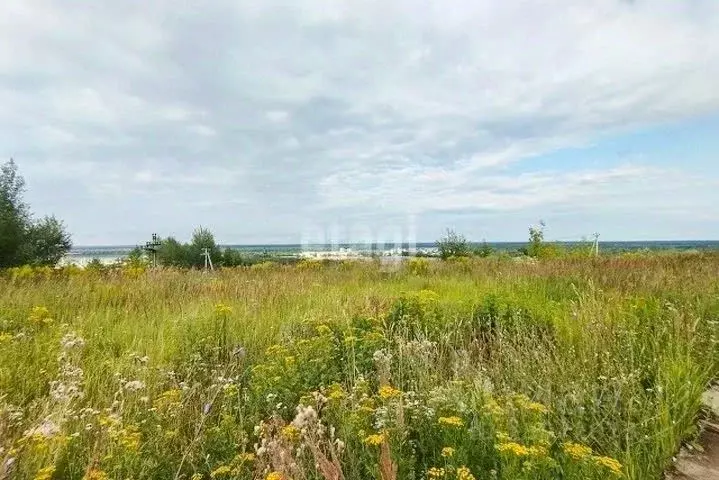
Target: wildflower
point(45, 473)
point(274, 476)
point(537, 451)
point(306, 416)
point(196, 476)
point(40, 316)
point(47, 429)
point(513, 448)
point(246, 457)
point(374, 440)
point(129, 438)
point(5, 337)
point(335, 392)
point(168, 398)
point(95, 474)
point(71, 340)
point(451, 421)
point(323, 329)
point(536, 407)
point(435, 472)
point(614, 466)
point(493, 408)
point(290, 433)
point(576, 451)
point(447, 452)
point(387, 392)
point(221, 471)
point(463, 473)
point(134, 385)
point(221, 310)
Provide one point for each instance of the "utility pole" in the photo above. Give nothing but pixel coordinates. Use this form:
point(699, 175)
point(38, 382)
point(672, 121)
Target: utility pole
point(208, 258)
point(152, 246)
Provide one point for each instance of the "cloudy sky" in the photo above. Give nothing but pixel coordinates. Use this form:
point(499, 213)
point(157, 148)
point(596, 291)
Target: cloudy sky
point(288, 121)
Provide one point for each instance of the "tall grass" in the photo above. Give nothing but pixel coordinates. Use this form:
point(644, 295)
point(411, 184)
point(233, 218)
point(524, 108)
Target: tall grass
point(486, 369)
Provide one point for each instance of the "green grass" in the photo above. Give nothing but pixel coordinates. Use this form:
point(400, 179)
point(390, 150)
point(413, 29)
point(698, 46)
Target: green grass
point(513, 370)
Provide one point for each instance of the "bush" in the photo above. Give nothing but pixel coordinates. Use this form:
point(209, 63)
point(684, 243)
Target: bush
point(453, 245)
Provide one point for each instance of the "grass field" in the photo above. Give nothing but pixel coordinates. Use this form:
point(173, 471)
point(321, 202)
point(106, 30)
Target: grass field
point(484, 369)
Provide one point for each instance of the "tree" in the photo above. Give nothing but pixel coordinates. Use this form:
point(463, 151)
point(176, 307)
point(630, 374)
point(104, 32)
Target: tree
point(22, 239)
point(46, 242)
point(536, 239)
point(202, 239)
point(13, 215)
point(172, 253)
point(537, 247)
point(453, 245)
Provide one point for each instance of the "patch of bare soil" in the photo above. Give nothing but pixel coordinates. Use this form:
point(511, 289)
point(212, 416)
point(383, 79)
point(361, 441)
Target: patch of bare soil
point(702, 465)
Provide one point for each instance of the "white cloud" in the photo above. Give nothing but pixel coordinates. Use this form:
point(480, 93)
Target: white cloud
point(306, 109)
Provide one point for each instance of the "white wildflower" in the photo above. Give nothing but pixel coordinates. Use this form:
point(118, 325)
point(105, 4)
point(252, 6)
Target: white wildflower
point(134, 385)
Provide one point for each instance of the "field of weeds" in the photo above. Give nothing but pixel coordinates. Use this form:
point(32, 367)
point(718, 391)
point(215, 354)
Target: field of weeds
point(480, 369)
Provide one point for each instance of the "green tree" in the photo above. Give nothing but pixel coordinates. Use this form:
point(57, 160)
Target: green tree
point(453, 244)
point(537, 247)
point(14, 215)
point(46, 242)
point(202, 238)
point(22, 239)
point(173, 254)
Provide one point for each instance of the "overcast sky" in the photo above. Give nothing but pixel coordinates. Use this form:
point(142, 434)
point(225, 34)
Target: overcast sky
point(288, 121)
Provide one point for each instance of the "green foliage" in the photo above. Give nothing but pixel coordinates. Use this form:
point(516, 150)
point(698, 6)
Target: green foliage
point(46, 242)
point(453, 244)
point(537, 247)
point(484, 250)
point(485, 369)
point(232, 258)
point(24, 240)
point(418, 266)
point(172, 253)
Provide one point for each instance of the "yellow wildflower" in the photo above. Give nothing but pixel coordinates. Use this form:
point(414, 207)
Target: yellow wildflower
point(221, 471)
point(447, 452)
point(335, 392)
point(537, 407)
point(387, 392)
point(129, 438)
point(45, 473)
point(5, 337)
point(614, 466)
point(451, 421)
point(493, 408)
point(196, 476)
point(290, 433)
point(168, 398)
point(276, 351)
point(40, 316)
point(246, 457)
point(95, 474)
point(463, 473)
point(537, 451)
point(323, 329)
point(513, 448)
point(221, 310)
point(435, 472)
point(576, 451)
point(274, 476)
point(374, 440)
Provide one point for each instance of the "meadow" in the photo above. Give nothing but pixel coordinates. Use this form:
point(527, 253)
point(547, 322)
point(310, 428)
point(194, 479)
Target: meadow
point(568, 368)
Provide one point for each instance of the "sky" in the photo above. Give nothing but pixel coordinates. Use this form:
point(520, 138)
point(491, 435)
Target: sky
point(364, 120)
